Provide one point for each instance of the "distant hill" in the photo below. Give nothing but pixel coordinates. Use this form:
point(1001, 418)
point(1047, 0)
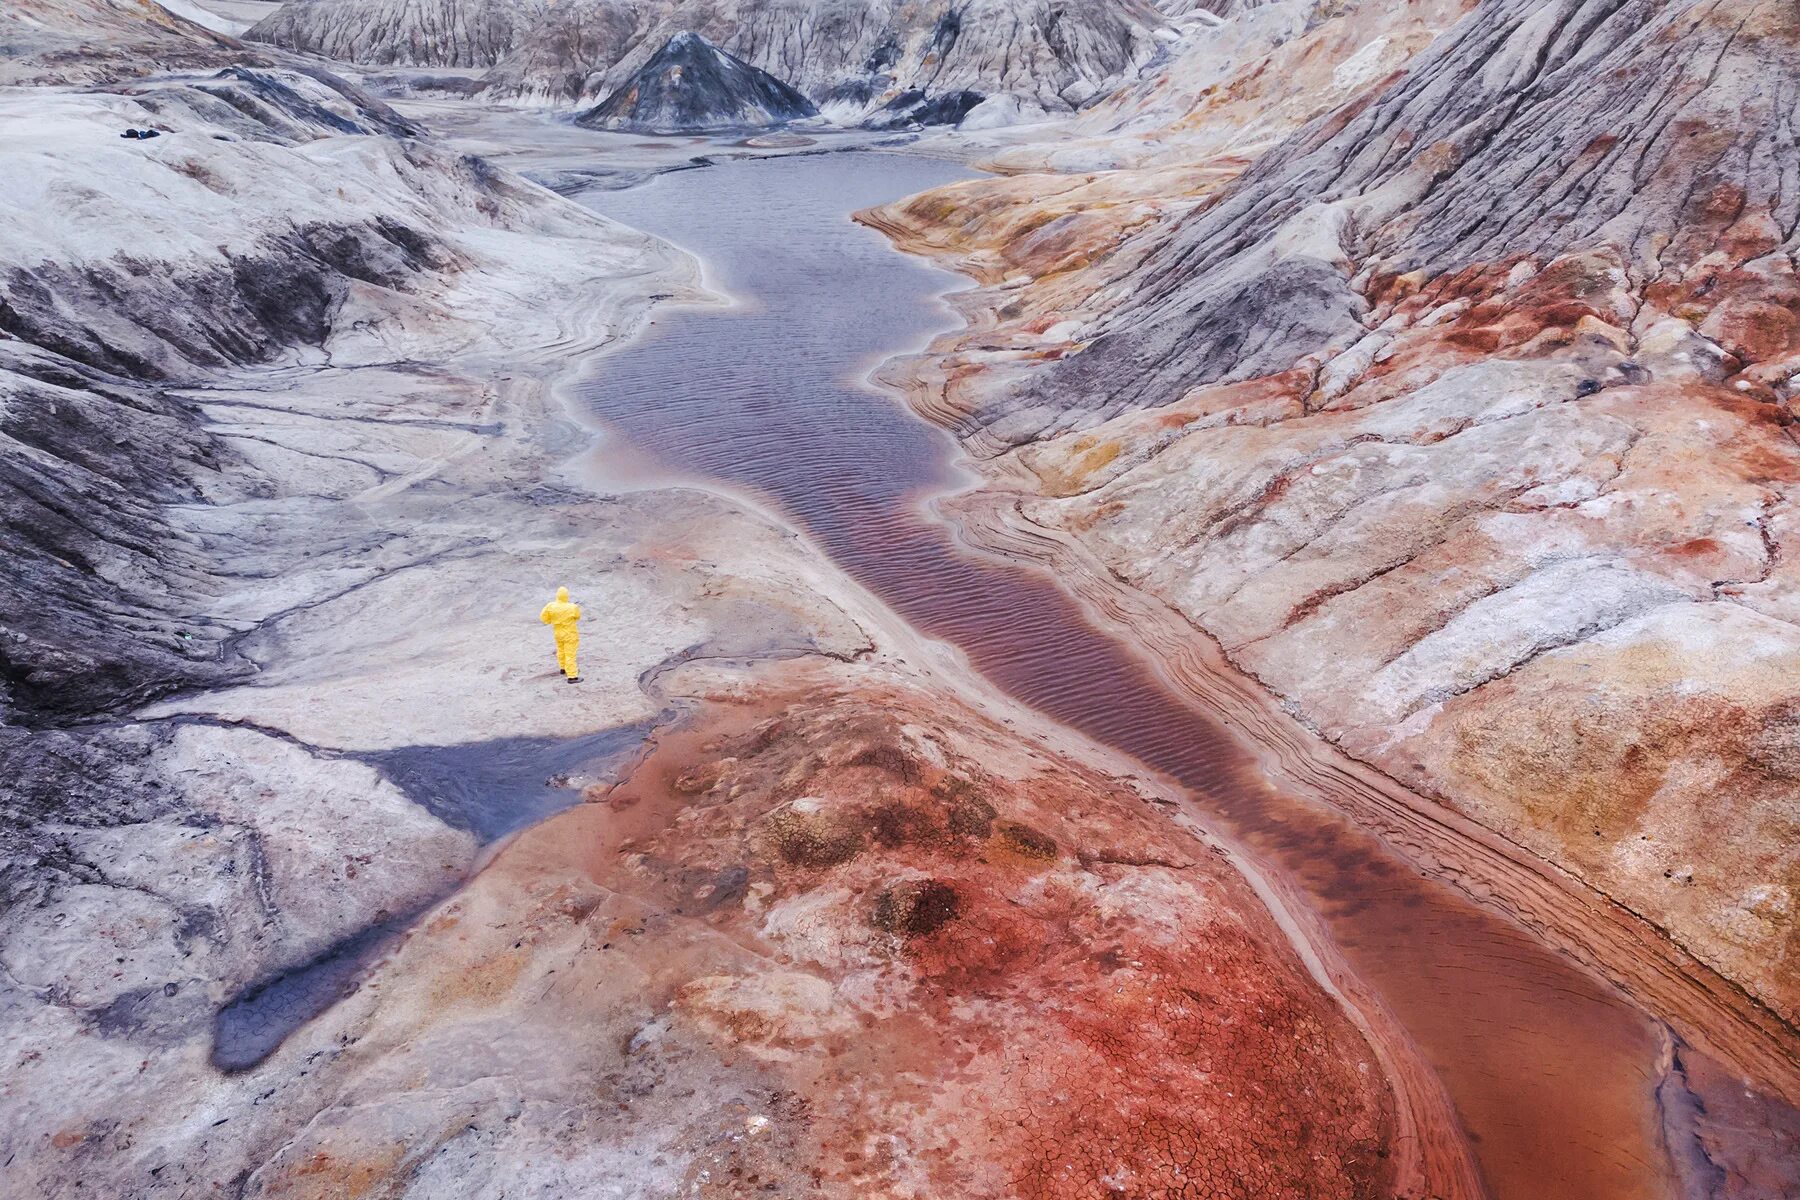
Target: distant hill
point(691, 86)
point(851, 58)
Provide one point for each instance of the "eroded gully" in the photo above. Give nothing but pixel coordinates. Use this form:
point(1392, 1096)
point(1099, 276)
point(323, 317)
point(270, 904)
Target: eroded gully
point(1562, 1086)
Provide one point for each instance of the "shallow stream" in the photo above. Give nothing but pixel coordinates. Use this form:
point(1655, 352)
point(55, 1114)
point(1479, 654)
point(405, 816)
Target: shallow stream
point(1555, 1076)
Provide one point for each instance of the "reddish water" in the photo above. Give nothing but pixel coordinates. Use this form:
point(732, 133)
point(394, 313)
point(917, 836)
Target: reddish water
point(1553, 1074)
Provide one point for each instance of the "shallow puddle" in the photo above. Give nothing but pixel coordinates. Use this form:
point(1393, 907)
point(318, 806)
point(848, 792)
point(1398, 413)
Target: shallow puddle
point(494, 788)
point(490, 789)
point(253, 1026)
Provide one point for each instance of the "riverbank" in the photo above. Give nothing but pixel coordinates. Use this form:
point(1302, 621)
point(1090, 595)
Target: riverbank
point(861, 860)
point(1499, 513)
point(286, 936)
point(1503, 1017)
point(1268, 751)
point(371, 524)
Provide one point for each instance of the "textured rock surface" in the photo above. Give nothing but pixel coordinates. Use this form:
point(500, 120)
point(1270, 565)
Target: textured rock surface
point(281, 454)
point(158, 870)
point(1461, 421)
point(78, 41)
point(690, 85)
point(858, 943)
point(851, 57)
point(1234, 87)
point(230, 240)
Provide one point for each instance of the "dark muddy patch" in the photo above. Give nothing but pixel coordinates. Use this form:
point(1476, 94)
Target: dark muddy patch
point(498, 787)
point(252, 1027)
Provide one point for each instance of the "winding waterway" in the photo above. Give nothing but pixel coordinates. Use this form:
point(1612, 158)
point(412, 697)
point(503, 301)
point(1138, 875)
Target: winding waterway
point(1561, 1085)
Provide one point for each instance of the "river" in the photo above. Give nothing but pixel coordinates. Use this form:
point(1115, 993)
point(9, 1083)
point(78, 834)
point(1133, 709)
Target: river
point(1554, 1075)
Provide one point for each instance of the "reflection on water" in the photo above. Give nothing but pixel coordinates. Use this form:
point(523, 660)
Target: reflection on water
point(1552, 1073)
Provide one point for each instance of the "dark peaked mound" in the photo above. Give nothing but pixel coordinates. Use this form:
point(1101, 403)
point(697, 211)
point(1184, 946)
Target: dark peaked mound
point(692, 86)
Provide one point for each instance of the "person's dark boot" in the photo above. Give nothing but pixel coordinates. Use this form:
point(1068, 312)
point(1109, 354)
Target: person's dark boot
point(574, 679)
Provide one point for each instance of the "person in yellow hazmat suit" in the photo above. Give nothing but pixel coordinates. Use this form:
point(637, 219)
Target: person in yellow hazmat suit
point(561, 615)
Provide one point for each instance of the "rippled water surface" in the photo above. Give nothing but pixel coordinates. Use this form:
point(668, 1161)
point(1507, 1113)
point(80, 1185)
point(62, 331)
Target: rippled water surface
point(1553, 1075)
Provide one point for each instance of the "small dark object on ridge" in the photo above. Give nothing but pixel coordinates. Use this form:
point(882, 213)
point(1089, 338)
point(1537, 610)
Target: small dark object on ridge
point(141, 134)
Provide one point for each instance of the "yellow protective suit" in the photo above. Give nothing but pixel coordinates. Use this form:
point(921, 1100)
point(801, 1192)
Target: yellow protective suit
point(560, 615)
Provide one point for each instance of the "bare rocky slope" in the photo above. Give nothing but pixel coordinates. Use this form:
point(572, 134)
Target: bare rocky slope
point(66, 41)
point(1239, 83)
point(284, 482)
point(133, 267)
point(690, 85)
point(852, 58)
point(1460, 420)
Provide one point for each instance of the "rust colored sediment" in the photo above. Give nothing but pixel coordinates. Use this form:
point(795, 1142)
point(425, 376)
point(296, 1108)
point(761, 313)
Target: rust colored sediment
point(853, 938)
point(1555, 1075)
point(1701, 1006)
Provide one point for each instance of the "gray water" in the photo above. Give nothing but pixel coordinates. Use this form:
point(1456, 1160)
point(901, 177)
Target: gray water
point(488, 788)
point(493, 788)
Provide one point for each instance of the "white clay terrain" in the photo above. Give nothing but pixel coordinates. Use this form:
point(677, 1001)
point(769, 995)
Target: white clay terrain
point(1443, 462)
point(314, 486)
